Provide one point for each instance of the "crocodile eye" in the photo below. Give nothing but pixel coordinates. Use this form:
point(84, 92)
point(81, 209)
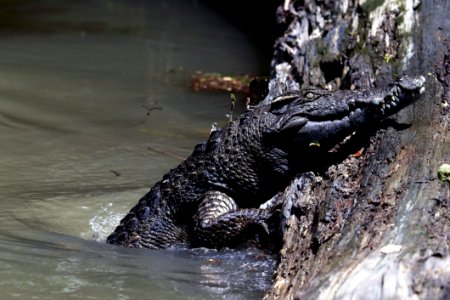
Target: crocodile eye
point(309, 95)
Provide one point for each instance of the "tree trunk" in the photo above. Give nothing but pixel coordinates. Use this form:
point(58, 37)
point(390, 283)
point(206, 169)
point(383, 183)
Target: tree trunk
point(375, 225)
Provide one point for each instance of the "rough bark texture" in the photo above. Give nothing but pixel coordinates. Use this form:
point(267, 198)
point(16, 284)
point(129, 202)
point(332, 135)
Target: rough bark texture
point(376, 225)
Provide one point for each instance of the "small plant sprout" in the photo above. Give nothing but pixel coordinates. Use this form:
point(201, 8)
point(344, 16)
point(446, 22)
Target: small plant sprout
point(444, 173)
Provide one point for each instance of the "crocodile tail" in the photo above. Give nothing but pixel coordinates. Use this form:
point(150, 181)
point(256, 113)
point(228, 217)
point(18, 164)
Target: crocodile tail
point(147, 226)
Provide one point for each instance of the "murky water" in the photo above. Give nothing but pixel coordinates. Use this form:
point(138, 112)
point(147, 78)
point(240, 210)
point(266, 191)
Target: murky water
point(78, 147)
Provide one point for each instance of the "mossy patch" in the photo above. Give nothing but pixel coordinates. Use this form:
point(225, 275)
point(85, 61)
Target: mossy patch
point(444, 173)
point(371, 5)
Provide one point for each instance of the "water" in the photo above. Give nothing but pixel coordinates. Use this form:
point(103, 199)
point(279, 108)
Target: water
point(78, 148)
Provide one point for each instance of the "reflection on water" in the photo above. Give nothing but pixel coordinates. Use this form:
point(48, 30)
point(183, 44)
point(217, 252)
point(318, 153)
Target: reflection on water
point(58, 266)
point(78, 148)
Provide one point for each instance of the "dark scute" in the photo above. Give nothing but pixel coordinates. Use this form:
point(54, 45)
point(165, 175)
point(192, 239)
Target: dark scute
point(132, 224)
point(144, 213)
point(122, 237)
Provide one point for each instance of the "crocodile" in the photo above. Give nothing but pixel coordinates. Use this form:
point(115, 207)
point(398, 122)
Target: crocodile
point(213, 198)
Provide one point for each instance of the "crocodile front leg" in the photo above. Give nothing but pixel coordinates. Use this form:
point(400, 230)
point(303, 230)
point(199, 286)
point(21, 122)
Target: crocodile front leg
point(219, 222)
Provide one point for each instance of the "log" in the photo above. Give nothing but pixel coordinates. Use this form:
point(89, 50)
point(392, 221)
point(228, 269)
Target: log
point(375, 224)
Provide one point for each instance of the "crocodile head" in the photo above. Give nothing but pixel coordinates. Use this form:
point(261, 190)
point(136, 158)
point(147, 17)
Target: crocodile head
point(320, 118)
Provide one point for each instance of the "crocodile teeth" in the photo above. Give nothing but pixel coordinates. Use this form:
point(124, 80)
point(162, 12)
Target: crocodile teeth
point(377, 101)
point(351, 103)
point(396, 91)
point(422, 89)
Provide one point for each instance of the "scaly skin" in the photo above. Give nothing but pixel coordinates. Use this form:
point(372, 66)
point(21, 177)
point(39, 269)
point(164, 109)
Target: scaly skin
point(211, 199)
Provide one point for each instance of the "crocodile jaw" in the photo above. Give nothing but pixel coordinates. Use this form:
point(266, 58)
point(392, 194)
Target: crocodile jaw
point(403, 93)
point(375, 106)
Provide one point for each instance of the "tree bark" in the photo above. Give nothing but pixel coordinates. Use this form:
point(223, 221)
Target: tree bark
point(376, 225)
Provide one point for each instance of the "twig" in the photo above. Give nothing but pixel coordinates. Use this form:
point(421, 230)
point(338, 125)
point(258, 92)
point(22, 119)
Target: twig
point(152, 107)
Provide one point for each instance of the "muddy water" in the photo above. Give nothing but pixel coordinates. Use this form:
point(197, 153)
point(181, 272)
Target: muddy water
point(79, 145)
